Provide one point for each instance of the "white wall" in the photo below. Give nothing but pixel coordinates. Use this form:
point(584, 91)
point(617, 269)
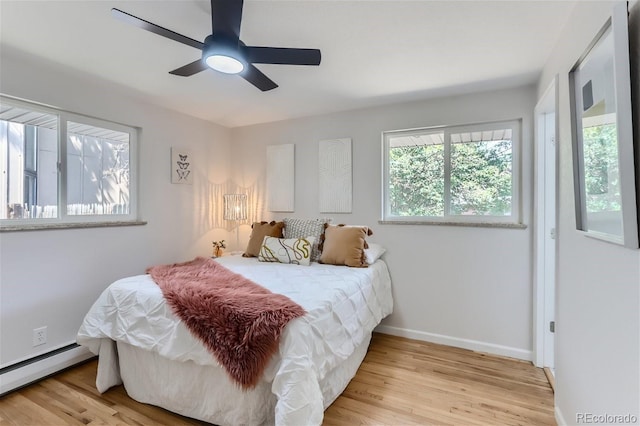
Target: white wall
point(598, 324)
point(51, 278)
point(463, 286)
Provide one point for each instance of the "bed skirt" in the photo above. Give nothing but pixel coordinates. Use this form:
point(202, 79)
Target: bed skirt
point(205, 392)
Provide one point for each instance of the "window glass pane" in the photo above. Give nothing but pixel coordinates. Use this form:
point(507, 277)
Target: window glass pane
point(28, 163)
point(481, 173)
point(30, 149)
point(97, 171)
point(601, 174)
point(416, 175)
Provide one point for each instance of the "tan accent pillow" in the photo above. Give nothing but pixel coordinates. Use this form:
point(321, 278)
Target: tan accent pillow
point(344, 245)
point(259, 230)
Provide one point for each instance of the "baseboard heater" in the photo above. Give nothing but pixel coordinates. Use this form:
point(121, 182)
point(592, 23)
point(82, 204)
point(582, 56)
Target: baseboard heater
point(37, 368)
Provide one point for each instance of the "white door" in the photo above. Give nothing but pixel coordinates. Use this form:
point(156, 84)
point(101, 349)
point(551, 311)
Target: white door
point(549, 237)
point(545, 228)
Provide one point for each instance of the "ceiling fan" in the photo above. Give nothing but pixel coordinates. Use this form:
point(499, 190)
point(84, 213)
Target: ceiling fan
point(223, 50)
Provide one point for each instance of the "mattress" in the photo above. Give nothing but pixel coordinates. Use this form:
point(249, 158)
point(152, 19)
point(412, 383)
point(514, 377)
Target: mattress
point(343, 306)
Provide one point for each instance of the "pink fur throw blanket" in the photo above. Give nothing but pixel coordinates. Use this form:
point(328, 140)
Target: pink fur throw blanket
point(238, 321)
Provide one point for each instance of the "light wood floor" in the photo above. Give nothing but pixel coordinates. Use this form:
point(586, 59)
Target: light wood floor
point(401, 382)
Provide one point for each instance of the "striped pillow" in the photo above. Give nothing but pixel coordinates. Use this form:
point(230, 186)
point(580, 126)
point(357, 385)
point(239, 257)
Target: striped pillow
point(303, 228)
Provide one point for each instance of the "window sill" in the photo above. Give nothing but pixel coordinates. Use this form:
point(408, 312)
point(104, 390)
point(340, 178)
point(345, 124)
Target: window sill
point(444, 223)
point(52, 226)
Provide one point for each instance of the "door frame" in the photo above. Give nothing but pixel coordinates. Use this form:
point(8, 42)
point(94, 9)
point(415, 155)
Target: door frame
point(548, 103)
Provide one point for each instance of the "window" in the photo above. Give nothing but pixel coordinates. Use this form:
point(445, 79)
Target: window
point(452, 174)
point(62, 167)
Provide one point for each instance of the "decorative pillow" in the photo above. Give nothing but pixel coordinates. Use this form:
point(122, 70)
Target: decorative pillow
point(259, 230)
point(373, 253)
point(291, 250)
point(302, 228)
point(345, 245)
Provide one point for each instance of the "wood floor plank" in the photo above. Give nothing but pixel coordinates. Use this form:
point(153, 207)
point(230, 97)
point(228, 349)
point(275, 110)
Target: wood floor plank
point(469, 385)
point(20, 410)
point(401, 381)
point(42, 397)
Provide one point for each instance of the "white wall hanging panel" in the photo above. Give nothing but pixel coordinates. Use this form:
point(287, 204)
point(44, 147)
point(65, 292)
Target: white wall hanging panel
point(335, 178)
point(280, 177)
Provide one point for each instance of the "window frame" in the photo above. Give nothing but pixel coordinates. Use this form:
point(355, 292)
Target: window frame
point(515, 218)
point(63, 218)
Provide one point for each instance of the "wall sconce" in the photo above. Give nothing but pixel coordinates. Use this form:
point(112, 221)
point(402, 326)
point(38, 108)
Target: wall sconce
point(235, 209)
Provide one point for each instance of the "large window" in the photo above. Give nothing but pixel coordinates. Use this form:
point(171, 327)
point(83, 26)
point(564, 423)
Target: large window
point(452, 174)
point(63, 167)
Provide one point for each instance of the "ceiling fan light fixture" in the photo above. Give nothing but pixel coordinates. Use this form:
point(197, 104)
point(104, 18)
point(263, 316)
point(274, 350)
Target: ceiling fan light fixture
point(224, 63)
point(223, 51)
point(223, 55)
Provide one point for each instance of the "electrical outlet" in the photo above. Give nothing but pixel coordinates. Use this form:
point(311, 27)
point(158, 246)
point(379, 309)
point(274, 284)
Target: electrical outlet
point(39, 336)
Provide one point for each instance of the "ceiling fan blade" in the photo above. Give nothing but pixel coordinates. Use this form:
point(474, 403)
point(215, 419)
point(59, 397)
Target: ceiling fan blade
point(226, 16)
point(282, 55)
point(190, 69)
point(254, 76)
point(156, 29)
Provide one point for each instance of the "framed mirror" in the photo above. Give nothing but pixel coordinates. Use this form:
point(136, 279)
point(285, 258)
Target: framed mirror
point(603, 155)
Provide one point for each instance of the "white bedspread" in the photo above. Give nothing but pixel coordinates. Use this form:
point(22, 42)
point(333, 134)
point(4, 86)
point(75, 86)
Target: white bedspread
point(343, 306)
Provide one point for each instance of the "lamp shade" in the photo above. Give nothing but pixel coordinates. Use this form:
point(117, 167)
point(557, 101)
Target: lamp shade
point(235, 206)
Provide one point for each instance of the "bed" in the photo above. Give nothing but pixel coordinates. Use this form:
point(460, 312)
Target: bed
point(143, 345)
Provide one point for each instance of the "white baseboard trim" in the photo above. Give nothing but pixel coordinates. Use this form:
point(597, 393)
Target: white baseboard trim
point(559, 417)
point(473, 345)
point(29, 373)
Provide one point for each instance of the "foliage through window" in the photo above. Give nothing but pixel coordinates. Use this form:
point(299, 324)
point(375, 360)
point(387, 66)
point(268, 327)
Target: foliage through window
point(602, 179)
point(52, 158)
point(462, 173)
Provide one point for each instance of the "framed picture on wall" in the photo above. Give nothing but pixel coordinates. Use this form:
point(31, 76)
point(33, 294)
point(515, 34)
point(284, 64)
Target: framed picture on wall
point(181, 166)
point(603, 156)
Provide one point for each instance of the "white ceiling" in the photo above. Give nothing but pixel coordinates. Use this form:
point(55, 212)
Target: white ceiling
point(373, 52)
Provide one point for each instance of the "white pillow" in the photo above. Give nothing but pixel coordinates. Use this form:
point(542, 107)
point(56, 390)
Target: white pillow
point(286, 250)
point(374, 252)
